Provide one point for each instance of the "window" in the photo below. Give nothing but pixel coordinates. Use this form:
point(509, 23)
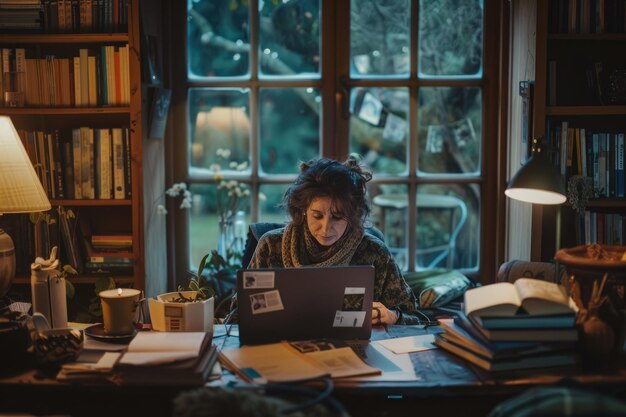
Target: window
point(408, 85)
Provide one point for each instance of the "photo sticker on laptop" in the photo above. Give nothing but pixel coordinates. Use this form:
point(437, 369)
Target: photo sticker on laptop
point(353, 299)
point(258, 279)
point(265, 302)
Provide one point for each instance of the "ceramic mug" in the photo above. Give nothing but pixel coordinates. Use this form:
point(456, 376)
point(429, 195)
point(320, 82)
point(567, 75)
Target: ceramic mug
point(120, 310)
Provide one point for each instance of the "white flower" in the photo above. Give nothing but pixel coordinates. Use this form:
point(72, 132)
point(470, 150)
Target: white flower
point(262, 197)
point(223, 153)
point(215, 167)
point(233, 164)
point(242, 166)
point(178, 189)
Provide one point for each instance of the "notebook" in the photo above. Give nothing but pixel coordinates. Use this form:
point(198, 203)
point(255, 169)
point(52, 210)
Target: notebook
point(305, 303)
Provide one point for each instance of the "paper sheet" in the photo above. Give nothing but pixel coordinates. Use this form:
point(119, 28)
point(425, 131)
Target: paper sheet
point(408, 344)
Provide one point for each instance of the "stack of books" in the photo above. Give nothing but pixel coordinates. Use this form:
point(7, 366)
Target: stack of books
point(106, 254)
point(185, 358)
point(504, 326)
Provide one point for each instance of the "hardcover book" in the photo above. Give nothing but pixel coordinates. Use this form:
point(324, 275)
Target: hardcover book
point(527, 296)
point(509, 363)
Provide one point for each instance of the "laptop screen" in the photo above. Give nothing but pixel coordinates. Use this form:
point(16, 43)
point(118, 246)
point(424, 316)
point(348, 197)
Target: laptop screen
point(305, 303)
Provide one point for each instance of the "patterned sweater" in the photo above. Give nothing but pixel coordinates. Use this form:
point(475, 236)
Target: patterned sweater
point(390, 288)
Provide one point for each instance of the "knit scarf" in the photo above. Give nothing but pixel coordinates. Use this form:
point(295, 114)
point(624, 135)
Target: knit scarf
point(299, 248)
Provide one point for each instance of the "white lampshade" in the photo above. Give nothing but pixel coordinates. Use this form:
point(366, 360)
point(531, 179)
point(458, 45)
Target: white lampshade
point(20, 188)
point(20, 192)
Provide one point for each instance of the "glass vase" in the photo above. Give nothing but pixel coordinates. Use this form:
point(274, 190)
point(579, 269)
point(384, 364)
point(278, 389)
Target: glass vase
point(225, 236)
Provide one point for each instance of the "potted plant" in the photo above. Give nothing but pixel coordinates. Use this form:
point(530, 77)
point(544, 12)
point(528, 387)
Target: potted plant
point(189, 310)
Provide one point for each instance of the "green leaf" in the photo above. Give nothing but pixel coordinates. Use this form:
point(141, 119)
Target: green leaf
point(95, 309)
point(104, 283)
point(202, 264)
point(69, 269)
point(69, 289)
point(83, 317)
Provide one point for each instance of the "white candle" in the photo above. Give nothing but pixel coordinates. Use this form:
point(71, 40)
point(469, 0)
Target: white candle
point(119, 310)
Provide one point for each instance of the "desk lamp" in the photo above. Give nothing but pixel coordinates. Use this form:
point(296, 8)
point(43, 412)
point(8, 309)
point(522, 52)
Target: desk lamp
point(20, 192)
point(538, 182)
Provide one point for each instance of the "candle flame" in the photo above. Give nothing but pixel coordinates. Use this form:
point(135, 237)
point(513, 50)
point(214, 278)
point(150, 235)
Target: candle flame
point(119, 291)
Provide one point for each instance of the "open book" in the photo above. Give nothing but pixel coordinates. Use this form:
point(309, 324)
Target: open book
point(295, 361)
point(527, 296)
point(168, 357)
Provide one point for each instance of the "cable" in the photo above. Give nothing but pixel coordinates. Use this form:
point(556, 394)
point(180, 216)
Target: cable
point(315, 397)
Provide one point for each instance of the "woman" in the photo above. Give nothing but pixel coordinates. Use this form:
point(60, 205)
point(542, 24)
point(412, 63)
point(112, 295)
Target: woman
point(328, 207)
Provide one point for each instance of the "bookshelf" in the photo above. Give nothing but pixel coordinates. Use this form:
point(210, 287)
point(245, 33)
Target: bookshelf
point(580, 104)
point(106, 112)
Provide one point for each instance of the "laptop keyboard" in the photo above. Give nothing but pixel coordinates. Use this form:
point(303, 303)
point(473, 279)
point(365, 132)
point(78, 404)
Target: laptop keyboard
point(359, 347)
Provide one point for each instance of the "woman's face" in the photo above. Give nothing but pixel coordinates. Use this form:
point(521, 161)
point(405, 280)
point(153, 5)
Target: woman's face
point(327, 227)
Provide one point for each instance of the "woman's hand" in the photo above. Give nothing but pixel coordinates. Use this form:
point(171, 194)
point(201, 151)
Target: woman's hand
point(382, 315)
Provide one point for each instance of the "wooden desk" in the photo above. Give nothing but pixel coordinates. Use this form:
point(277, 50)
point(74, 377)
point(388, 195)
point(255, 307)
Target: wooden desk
point(448, 386)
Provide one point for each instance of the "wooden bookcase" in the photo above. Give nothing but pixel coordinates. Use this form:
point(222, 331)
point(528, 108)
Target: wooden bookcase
point(580, 79)
point(108, 216)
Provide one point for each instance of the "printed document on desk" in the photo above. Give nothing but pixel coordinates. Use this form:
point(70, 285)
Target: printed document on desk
point(394, 367)
point(294, 361)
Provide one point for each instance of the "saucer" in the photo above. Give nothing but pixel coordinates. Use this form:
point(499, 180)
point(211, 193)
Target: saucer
point(96, 332)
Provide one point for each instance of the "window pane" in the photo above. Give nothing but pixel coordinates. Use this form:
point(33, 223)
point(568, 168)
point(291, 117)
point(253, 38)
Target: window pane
point(217, 38)
point(449, 130)
point(204, 222)
point(380, 37)
point(379, 128)
point(269, 203)
point(450, 38)
point(389, 214)
point(218, 119)
point(289, 37)
point(289, 128)
point(447, 226)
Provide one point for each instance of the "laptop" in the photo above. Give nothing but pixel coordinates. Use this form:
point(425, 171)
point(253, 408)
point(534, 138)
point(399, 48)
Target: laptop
point(305, 303)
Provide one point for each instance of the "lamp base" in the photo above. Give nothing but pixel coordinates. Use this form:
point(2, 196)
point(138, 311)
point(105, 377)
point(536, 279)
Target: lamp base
point(7, 262)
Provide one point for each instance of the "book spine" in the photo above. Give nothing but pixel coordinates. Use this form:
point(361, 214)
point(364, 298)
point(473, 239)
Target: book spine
point(118, 164)
point(93, 94)
point(127, 163)
point(52, 171)
point(84, 76)
point(76, 158)
point(68, 168)
point(77, 82)
point(104, 161)
point(620, 165)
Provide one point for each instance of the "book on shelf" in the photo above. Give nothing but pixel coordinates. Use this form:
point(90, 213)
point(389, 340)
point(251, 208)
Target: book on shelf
point(510, 363)
point(295, 361)
point(70, 232)
point(185, 358)
point(105, 256)
point(118, 241)
point(526, 296)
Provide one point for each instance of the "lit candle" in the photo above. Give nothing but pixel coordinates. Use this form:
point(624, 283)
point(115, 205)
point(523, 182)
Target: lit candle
point(119, 310)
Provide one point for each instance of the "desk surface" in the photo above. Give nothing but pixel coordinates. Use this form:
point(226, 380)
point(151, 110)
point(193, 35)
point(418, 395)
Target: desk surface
point(445, 385)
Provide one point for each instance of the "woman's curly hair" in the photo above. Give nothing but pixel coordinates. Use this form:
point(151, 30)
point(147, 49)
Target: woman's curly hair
point(343, 182)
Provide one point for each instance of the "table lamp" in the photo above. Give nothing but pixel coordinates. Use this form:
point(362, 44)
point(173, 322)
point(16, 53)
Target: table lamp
point(20, 192)
point(538, 182)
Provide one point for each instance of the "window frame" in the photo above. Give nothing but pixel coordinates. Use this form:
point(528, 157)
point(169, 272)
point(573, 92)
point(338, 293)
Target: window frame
point(336, 67)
